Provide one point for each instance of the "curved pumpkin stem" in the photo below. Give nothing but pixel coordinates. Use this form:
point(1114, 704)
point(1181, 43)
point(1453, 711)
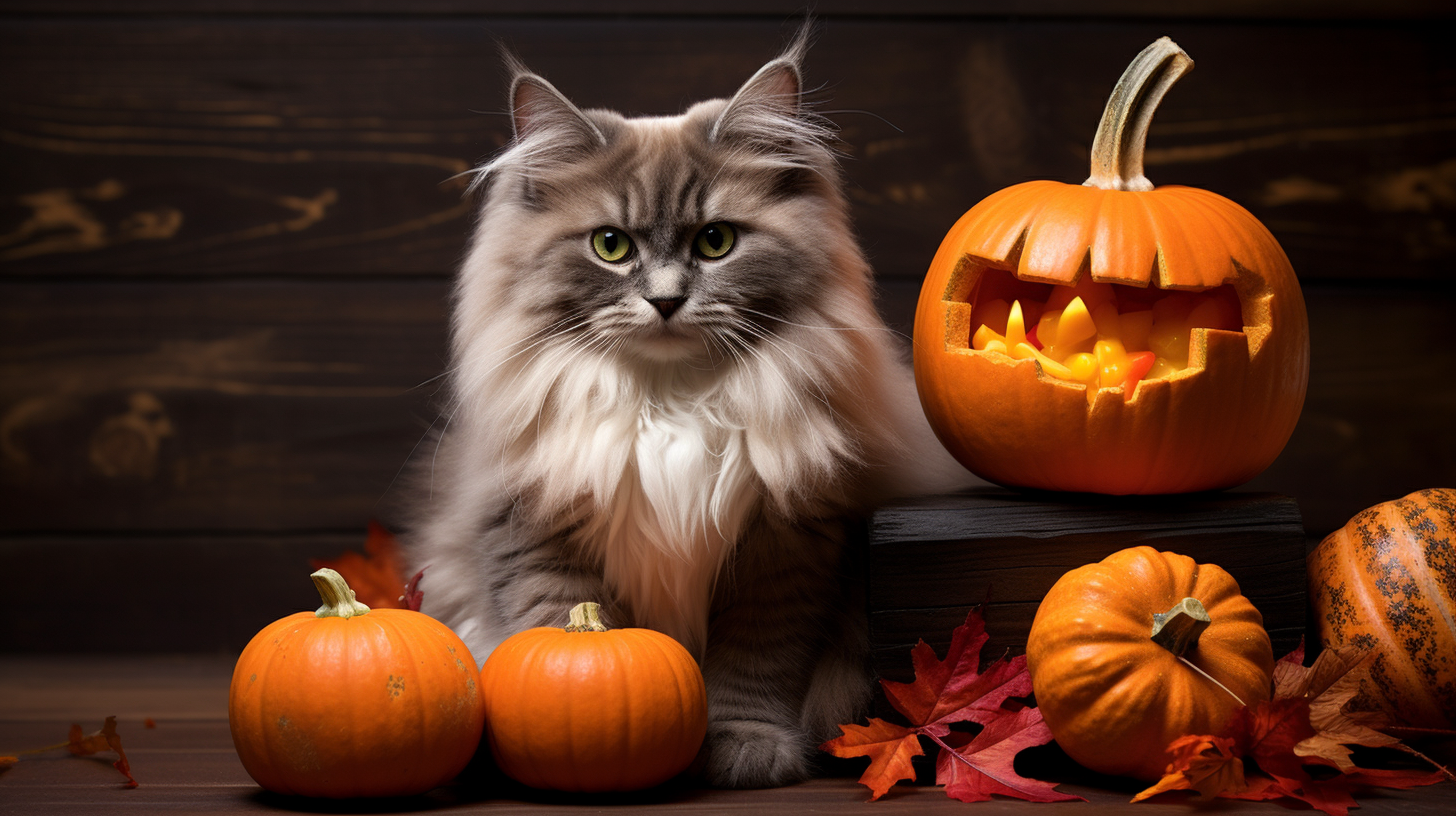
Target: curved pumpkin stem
point(586, 617)
point(339, 600)
point(1117, 149)
point(1177, 630)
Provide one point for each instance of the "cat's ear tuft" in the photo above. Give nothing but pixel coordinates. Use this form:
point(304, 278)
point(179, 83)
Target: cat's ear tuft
point(768, 112)
point(539, 110)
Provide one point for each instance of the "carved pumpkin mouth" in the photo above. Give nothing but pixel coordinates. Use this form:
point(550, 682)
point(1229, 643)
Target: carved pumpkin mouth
point(1092, 335)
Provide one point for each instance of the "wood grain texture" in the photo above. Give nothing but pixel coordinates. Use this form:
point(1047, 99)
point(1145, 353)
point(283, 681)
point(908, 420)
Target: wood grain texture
point(131, 594)
point(280, 146)
point(226, 406)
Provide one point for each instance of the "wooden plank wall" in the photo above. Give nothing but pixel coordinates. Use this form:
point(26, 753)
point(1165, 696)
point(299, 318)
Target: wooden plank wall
point(227, 231)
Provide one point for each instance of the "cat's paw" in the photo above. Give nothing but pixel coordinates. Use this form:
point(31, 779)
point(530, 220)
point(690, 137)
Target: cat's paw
point(752, 754)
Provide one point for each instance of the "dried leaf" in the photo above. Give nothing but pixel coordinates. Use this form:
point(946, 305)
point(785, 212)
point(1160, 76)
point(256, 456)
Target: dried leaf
point(104, 740)
point(6, 762)
point(376, 576)
point(972, 769)
point(953, 689)
point(1203, 764)
point(1329, 685)
point(889, 747)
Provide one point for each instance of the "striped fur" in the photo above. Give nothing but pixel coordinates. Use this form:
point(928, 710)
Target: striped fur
point(688, 472)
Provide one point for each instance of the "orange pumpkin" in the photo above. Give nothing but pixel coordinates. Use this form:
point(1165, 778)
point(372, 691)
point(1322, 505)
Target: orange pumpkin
point(348, 701)
point(1387, 580)
point(1130, 653)
point(1215, 422)
point(590, 709)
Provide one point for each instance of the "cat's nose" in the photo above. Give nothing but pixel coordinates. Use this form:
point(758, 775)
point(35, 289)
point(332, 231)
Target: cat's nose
point(666, 306)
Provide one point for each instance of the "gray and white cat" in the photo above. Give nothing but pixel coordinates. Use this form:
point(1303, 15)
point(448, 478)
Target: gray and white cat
point(669, 387)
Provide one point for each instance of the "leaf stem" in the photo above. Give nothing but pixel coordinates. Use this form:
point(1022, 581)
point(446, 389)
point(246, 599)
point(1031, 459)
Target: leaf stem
point(1212, 680)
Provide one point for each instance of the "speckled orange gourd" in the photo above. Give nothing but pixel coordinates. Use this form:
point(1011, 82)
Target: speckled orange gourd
point(355, 702)
point(1387, 580)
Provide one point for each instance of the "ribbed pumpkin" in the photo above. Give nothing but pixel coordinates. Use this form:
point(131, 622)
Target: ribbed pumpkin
point(1387, 580)
point(1104, 655)
point(349, 702)
point(1215, 423)
point(590, 709)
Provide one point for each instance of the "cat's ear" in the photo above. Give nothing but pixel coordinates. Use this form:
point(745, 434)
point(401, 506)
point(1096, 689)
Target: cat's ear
point(768, 97)
point(539, 110)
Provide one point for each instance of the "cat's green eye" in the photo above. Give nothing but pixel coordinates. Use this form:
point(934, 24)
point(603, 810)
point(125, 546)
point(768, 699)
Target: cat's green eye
point(612, 245)
point(715, 240)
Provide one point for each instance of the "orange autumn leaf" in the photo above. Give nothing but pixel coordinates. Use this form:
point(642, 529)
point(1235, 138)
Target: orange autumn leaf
point(8, 761)
point(1203, 764)
point(377, 575)
point(889, 747)
point(104, 740)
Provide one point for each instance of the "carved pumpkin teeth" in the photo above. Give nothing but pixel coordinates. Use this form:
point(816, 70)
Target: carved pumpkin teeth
point(1104, 348)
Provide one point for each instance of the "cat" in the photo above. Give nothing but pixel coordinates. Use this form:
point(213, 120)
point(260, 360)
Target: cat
point(670, 386)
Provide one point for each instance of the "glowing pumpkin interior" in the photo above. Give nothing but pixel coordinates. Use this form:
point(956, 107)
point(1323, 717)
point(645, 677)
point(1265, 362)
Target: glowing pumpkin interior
point(1095, 335)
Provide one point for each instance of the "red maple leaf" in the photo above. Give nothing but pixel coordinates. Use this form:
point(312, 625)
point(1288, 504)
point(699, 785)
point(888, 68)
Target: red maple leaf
point(972, 768)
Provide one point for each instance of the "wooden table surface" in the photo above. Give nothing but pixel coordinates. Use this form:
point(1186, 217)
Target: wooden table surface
point(186, 763)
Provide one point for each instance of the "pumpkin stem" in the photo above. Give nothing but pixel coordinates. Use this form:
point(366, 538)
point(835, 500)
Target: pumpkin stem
point(1177, 630)
point(586, 617)
point(1117, 149)
point(339, 600)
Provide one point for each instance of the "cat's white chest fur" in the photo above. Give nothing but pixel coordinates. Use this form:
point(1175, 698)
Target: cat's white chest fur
point(667, 524)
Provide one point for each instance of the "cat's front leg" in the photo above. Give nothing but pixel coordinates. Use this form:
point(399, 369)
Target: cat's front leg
point(769, 633)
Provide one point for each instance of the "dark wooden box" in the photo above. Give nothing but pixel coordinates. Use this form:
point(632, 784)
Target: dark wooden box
point(928, 561)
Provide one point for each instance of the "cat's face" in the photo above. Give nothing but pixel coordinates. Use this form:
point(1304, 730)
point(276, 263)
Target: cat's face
point(686, 238)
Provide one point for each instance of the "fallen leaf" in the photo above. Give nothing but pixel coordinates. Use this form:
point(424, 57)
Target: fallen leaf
point(950, 691)
point(972, 769)
point(1330, 685)
point(376, 576)
point(1267, 733)
point(104, 740)
point(889, 747)
point(1307, 723)
point(953, 689)
point(6, 762)
point(1203, 764)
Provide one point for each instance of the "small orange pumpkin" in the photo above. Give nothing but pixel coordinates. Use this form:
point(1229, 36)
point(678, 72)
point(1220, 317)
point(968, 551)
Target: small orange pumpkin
point(349, 702)
point(1215, 422)
point(1387, 580)
point(591, 709)
point(1130, 653)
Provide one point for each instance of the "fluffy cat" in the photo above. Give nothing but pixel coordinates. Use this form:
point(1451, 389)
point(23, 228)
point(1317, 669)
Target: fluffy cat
point(669, 387)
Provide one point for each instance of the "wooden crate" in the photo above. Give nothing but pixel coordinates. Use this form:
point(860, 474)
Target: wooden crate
point(929, 561)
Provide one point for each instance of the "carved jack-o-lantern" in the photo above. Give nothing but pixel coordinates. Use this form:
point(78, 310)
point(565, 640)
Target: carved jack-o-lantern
point(1113, 337)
